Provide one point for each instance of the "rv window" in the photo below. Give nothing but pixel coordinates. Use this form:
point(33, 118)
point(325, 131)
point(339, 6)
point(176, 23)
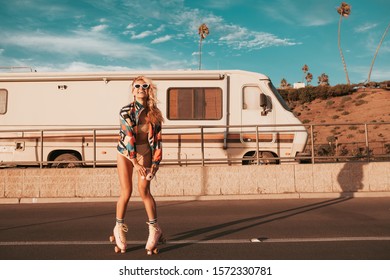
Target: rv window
point(251, 98)
point(3, 101)
point(279, 97)
point(195, 104)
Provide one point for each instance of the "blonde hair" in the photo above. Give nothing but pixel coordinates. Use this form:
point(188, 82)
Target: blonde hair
point(154, 114)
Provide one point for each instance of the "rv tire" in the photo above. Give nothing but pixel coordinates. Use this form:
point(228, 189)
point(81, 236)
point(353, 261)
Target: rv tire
point(64, 161)
point(264, 158)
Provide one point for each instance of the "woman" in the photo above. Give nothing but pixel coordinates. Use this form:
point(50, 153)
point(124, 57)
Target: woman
point(139, 148)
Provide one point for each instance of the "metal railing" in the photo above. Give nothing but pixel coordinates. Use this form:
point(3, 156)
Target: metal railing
point(349, 142)
point(370, 143)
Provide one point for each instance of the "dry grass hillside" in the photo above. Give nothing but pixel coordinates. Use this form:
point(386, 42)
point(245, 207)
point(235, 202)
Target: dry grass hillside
point(339, 122)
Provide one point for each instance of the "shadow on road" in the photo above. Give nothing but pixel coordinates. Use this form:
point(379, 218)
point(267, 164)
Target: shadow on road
point(224, 230)
point(350, 179)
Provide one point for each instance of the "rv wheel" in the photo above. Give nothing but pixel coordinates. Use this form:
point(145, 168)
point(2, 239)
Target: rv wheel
point(264, 158)
point(65, 164)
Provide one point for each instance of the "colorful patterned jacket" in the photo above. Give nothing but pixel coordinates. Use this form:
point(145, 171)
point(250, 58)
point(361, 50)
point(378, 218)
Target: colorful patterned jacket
point(127, 144)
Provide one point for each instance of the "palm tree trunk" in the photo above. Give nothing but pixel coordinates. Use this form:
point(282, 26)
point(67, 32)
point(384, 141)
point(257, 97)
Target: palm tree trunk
point(200, 53)
point(377, 50)
point(341, 52)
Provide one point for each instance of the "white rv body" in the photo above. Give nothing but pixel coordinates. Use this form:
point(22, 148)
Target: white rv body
point(210, 116)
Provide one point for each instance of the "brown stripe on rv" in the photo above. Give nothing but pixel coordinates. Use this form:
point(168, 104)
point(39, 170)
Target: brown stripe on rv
point(167, 138)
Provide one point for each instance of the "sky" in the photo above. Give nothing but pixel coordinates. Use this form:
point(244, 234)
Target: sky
point(275, 38)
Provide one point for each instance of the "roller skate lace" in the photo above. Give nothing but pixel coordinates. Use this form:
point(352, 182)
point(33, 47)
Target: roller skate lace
point(122, 229)
point(154, 235)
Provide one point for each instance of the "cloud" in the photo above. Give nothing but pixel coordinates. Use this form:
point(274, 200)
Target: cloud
point(300, 12)
point(241, 38)
point(232, 35)
point(91, 44)
point(142, 35)
point(379, 73)
point(80, 66)
point(99, 28)
point(162, 39)
point(79, 48)
point(77, 43)
point(365, 27)
point(184, 21)
point(149, 33)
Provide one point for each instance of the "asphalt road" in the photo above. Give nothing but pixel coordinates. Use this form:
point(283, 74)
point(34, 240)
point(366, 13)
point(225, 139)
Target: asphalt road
point(285, 229)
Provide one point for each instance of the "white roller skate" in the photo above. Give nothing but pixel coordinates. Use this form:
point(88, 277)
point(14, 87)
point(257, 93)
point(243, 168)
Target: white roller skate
point(155, 237)
point(119, 237)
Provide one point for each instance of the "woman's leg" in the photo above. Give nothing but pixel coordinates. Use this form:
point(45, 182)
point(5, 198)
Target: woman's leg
point(155, 232)
point(147, 198)
point(125, 173)
point(144, 189)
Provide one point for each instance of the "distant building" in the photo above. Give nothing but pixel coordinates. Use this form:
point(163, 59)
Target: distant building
point(299, 85)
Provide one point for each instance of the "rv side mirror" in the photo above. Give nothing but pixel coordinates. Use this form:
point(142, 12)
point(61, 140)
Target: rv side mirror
point(263, 103)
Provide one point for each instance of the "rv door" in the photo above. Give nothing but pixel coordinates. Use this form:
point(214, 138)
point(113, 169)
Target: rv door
point(256, 110)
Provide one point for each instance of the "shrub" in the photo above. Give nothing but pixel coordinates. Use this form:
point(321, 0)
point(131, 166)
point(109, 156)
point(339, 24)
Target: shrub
point(364, 94)
point(360, 102)
point(324, 150)
point(310, 93)
point(387, 148)
point(329, 103)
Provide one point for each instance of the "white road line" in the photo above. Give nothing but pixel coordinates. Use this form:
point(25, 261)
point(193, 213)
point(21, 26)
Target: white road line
point(321, 239)
point(190, 241)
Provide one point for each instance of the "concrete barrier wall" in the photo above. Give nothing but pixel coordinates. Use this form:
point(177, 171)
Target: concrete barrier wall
point(210, 182)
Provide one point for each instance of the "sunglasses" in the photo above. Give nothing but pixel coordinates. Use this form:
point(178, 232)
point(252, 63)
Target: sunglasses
point(144, 86)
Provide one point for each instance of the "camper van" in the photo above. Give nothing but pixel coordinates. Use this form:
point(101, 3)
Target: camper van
point(211, 117)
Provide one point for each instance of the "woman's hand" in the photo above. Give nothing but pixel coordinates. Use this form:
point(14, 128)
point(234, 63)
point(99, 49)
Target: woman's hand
point(140, 169)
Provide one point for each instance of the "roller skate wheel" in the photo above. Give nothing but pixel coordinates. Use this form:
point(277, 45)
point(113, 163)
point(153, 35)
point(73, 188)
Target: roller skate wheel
point(151, 252)
point(112, 238)
point(117, 250)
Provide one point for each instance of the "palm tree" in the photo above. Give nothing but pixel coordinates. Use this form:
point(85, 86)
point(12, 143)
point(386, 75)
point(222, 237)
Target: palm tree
point(344, 10)
point(377, 49)
point(323, 80)
point(305, 68)
point(309, 77)
point(283, 83)
point(203, 31)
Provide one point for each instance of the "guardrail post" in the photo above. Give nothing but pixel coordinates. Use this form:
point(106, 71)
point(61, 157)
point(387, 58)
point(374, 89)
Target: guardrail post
point(312, 143)
point(257, 145)
point(367, 145)
point(202, 143)
point(41, 161)
point(94, 148)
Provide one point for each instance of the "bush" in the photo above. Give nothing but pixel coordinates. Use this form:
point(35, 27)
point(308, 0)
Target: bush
point(310, 93)
point(387, 148)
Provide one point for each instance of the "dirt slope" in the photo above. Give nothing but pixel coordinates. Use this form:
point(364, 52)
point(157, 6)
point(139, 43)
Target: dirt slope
point(337, 121)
